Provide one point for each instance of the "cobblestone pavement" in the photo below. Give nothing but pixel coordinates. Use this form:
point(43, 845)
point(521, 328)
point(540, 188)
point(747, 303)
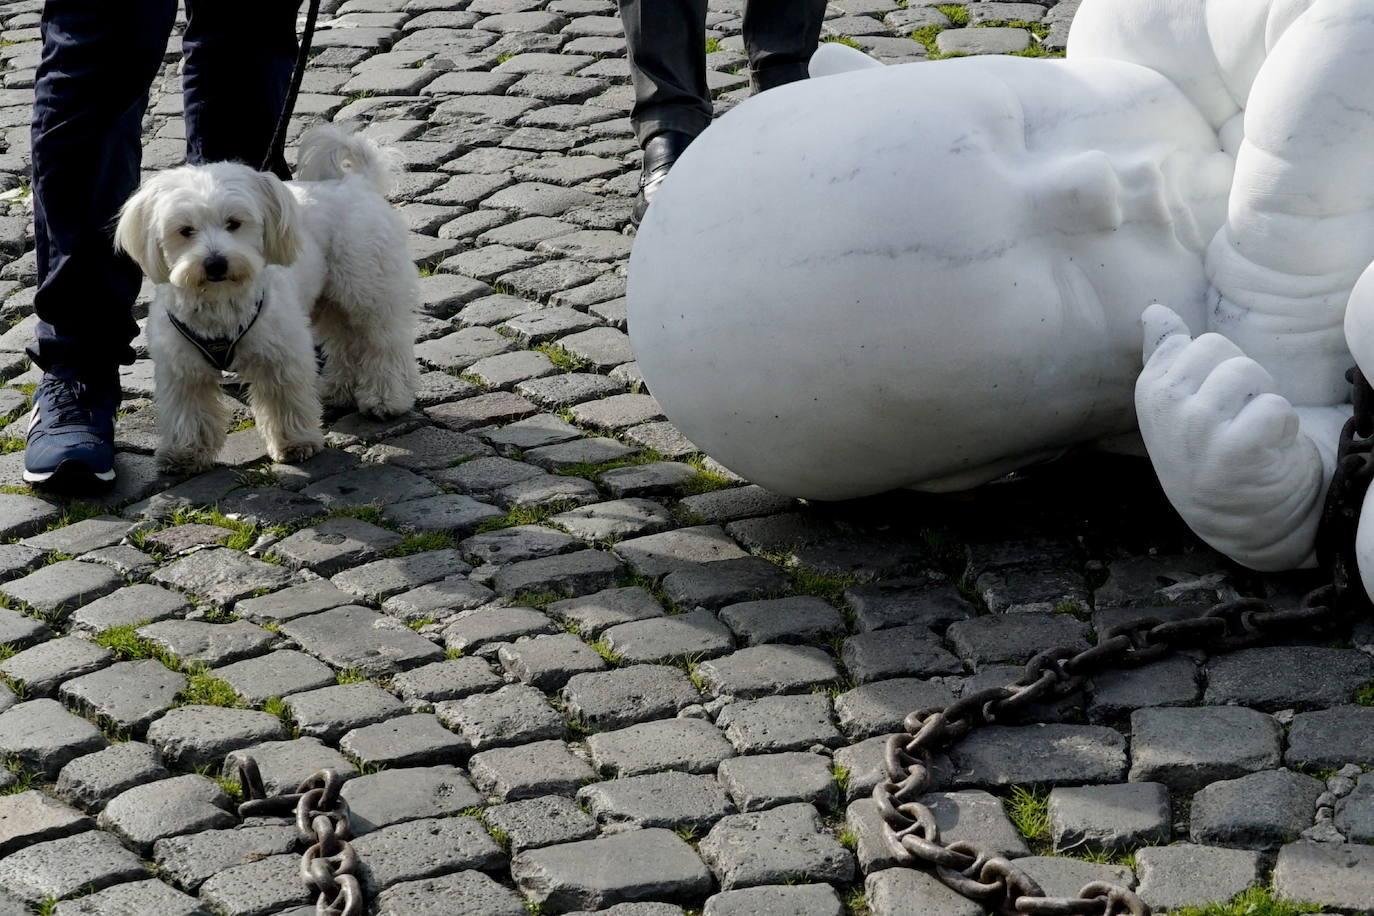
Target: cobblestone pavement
point(569, 663)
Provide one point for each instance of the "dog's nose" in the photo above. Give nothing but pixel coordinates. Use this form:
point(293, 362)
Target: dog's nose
point(216, 267)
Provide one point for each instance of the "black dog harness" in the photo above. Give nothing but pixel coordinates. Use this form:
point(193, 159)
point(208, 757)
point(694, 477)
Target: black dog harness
point(218, 351)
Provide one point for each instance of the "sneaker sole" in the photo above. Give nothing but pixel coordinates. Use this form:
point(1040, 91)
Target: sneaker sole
point(69, 475)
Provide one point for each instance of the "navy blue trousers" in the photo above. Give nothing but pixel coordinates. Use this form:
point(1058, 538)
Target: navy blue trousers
point(90, 95)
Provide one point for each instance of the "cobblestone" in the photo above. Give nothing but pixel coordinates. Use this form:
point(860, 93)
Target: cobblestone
point(355, 637)
point(183, 804)
point(592, 874)
point(1185, 875)
point(1187, 748)
point(397, 796)
point(689, 745)
point(1259, 811)
point(63, 867)
point(92, 780)
point(747, 850)
point(625, 696)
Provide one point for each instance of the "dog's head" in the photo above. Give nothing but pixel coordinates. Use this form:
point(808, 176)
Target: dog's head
point(209, 229)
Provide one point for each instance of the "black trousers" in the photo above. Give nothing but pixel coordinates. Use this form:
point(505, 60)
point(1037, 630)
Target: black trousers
point(666, 42)
point(90, 94)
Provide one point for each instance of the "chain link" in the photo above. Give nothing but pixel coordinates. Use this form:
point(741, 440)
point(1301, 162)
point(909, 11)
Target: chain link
point(910, 831)
point(329, 865)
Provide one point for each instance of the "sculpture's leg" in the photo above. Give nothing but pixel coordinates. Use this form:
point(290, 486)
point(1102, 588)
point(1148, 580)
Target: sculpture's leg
point(1231, 454)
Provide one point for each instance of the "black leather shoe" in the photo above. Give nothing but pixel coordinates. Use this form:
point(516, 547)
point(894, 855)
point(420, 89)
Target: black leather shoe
point(659, 155)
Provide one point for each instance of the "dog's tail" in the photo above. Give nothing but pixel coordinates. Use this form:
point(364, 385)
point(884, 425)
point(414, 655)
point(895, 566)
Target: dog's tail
point(330, 152)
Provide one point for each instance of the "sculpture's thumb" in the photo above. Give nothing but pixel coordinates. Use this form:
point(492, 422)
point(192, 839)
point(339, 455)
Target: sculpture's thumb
point(1160, 323)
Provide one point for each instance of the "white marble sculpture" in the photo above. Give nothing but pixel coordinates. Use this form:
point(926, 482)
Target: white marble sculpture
point(931, 274)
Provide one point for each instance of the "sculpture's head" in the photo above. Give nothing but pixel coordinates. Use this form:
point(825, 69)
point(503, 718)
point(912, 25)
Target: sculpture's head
point(841, 260)
point(1359, 323)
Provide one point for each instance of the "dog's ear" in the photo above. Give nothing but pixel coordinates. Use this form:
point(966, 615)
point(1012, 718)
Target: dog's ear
point(281, 240)
point(136, 236)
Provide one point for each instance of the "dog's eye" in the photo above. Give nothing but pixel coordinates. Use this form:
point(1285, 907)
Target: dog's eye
point(232, 225)
point(186, 232)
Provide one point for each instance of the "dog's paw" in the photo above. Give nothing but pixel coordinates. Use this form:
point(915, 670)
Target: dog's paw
point(385, 406)
point(185, 460)
point(294, 452)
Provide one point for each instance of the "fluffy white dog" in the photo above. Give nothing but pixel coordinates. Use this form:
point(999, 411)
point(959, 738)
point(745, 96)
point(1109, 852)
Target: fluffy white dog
point(244, 265)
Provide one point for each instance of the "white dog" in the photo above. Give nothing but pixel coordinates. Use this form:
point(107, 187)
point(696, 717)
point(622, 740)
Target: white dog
point(244, 264)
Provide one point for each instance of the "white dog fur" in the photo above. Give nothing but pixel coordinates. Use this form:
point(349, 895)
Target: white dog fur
point(326, 250)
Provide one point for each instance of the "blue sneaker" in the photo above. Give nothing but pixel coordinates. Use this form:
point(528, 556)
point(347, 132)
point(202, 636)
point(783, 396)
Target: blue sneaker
point(71, 433)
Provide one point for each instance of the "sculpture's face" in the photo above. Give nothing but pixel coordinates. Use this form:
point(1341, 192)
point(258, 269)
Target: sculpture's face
point(982, 233)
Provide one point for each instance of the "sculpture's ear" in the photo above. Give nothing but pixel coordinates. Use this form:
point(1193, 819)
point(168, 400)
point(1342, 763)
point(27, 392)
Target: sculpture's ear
point(832, 57)
point(1080, 194)
point(136, 236)
point(1359, 322)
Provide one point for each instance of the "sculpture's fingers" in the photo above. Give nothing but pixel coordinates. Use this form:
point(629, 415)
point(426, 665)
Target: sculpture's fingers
point(1268, 421)
point(1232, 385)
point(1198, 360)
point(1161, 324)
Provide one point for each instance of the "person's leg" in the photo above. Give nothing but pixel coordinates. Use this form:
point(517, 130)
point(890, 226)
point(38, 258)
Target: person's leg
point(239, 58)
point(665, 41)
point(780, 37)
point(90, 93)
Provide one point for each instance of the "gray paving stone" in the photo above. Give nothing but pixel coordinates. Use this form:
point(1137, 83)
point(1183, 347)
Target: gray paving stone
point(657, 478)
point(797, 900)
point(1172, 877)
point(677, 801)
point(133, 604)
point(191, 736)
point(284, 765)
point(20, 631)
point(187, 861)
point(636, 865)
point(283, 672)
point(593, 614)
point(659, 554)
point(487, 476)
point(625, 696)
point(1355, 812)
point(1108, 818)
point(897, 652)
point(42, 736)
point(195, 641)
point(334, 545)
point(515, 714)
point(604, 348)
point(258, 887)
point(770, 724)
point(92, 780)
point(30, 817)
point(768, 847)
point(544, 821)
point(907, 892)
point(1187, 748)
point(768, 669)
point(506, 369)
point(1331, 737)
point(180, 539)
point(529, 771)
point(451, 679)
point(424, 849)
point(415, 740)
point(464, 893)
point(371, 485)
point(987, 40)
point(328, 712)
point(1013, 638)
point(1337, 875)
point(43, 667)
point(514, 545)
point(470, 630)
point(355, 637)
point(566, 389)
point(1043, 755)
point(221, 575)
point(127, 694)
point(84, 536)
point(381, 579)
point(62, 587)
point(1061, 876)
point(694, 635)
point(437, 599)
point(768, 780)
point(689, 745)
point(801, 619)
point(63, 867)
point(170, 807)
point(1258, 811)
point(660, 436)
point(614, 520)
point(1167, 682)
point(17, 560)
point(568, 574)
point(127, 561)
point(533, 432)
point(547, 662)
point(1283, 677)
point(396, 796)
point(447, 512)
point(565, 455)
point(296, 601)
point(969, 816)
point(879, 707)
point(151, 896)
point(24, 515)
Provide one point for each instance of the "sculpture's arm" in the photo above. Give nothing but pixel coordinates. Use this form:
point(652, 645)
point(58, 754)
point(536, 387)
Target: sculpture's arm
point(1300, 223)
point(1246, 470)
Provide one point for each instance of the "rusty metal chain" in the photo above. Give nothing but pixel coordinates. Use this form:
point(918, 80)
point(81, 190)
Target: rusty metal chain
point(329, 865)
point(909, 827)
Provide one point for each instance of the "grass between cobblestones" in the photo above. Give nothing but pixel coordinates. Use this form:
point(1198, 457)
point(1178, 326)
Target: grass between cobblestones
point(1365, 695)
point(1256, 901)
point(1029, 812)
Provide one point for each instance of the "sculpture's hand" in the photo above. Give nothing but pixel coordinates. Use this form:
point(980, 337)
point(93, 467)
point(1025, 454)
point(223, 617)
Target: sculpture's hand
point(1229, 452)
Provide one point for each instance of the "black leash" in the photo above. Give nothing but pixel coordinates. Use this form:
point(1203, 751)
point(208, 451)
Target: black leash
point(275, 162)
